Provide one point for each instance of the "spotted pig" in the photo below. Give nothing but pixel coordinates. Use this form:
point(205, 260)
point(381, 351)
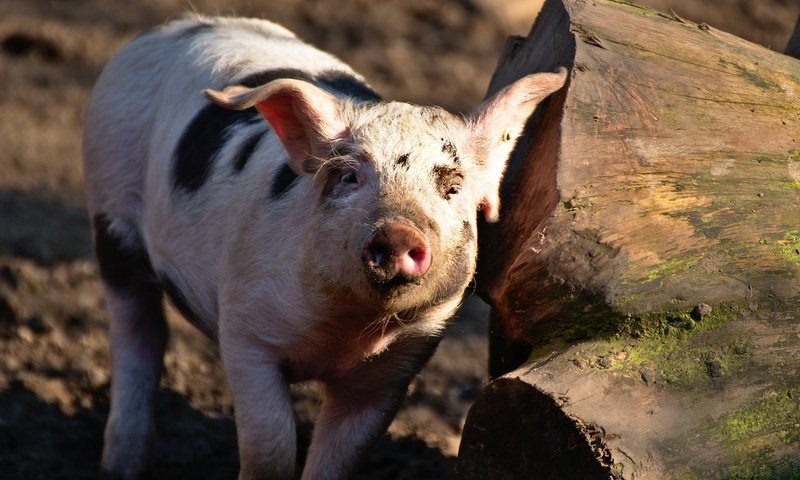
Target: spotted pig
point(313, 229)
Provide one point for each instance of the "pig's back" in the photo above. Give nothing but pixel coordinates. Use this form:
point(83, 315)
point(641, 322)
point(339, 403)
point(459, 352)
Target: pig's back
point(150, 92)
point(163, 163)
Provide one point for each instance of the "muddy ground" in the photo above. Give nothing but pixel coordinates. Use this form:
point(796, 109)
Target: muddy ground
point(54, 363)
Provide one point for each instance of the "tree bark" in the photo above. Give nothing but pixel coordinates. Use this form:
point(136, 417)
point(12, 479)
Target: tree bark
point(645, 269)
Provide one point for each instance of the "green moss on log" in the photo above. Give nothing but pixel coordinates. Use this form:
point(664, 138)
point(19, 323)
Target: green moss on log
point(789, 247)
point(751, 435)
point(674, 266)
point(673, 348)
point(777, 413)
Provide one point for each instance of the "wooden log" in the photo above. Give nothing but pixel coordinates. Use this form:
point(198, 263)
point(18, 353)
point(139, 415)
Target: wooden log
point(646, 268)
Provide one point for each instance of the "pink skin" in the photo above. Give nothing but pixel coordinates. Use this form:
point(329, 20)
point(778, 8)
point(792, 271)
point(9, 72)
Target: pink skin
point(415, 262)
point(397, 249)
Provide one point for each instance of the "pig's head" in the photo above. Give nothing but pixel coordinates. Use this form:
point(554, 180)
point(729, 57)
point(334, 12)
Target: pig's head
point(396, 186)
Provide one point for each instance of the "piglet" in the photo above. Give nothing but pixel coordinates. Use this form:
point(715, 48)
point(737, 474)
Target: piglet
point(313, 229)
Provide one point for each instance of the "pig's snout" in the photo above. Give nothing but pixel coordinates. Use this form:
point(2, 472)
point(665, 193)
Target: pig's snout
point(396, 252)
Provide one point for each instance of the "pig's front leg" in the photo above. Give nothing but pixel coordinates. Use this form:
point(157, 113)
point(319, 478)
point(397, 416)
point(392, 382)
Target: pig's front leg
point(265, 423)
point(360, 405)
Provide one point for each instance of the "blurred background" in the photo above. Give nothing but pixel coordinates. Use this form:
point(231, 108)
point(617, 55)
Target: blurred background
point(53, 346)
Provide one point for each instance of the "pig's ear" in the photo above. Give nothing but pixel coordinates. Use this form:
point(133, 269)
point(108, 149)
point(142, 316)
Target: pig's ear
point(496, 124)
point(305, 117)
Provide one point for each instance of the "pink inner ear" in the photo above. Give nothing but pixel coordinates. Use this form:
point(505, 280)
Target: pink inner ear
point(490, 205)
point(279, 111)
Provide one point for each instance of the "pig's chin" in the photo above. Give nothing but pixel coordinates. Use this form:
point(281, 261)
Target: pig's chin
point(398, 294)
point(379, 297)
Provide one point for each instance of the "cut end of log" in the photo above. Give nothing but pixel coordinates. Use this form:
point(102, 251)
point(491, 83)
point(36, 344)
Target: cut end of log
point(516, 431)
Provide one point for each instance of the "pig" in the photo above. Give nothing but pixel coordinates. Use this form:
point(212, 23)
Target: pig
point(311, 228)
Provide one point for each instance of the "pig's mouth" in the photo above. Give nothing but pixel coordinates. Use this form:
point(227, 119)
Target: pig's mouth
point(388, 286)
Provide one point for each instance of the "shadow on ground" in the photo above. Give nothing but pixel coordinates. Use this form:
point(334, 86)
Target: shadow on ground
point(42, 227)
point(38, 440)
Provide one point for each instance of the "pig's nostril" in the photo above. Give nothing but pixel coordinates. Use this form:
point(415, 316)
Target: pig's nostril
point(415, 262)
point(375, 257)
point(418, 254)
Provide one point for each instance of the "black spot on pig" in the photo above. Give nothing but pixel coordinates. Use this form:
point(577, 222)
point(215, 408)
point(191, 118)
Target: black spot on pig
point(336, 82)
point(127, 270)
point(282, 181)
point(202, 140)
point(122, 267)
point(348, 85)
point(402, 160)
point(246, 151)
point(260, 78)
point(450, 149)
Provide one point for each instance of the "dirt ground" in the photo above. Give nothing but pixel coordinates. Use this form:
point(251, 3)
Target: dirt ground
point(54, 361)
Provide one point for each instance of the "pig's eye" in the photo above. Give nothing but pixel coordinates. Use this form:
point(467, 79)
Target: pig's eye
point(454, 190)
point(349, 177)
point(341, 181)
point(448, 180)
